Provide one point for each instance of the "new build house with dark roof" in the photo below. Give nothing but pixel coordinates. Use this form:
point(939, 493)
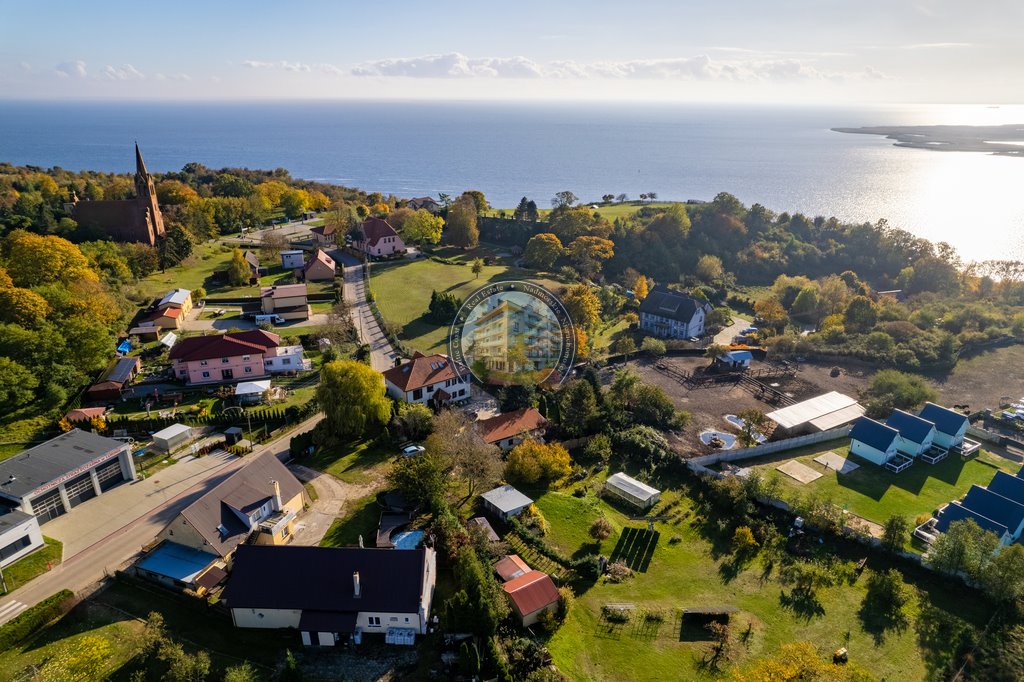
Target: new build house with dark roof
point(427, 378)
point(874, 441)
point(118, 374)
point(331, 593)
point(916, 434)
point(950, 426)
point(1010, 487)
point(672, 314)
point(998, 508)
point(955, 511)
point(994, 506)
point(54, 477)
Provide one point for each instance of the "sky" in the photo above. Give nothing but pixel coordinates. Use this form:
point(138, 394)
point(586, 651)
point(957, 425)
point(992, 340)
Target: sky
point(813, 51)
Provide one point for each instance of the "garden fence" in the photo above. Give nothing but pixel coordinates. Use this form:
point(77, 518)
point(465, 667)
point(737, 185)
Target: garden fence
point(768, 448)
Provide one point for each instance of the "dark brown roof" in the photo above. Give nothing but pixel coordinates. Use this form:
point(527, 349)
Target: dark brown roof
point(283, 291)
point(510, 424)
point(375, 229)
point(531, 592)
point(421, 370)
point(213, 577)
point(223, 345)
point(252, 259)
point(245, 490)
point(320, 578)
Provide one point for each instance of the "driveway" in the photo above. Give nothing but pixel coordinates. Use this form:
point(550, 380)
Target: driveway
point(194, 324)
point(332, 496)
point(382, 355)
point(165, 499)
point(725, 337)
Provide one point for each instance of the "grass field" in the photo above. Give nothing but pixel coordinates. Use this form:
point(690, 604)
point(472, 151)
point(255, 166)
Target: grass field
point(402, 290)
point(876, 493)
point(35, 564)
point(687, 569)
point(361, 518)
point(611, 211)
point(358, 463)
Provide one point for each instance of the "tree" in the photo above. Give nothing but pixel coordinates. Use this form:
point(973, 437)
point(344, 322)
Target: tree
point(543, 250)
point(590, 253)
point(652, 196)
point(199, 294)
point(710, 269)
point(582, 304)
point(891, 389)
point(601, 529)
point(23, 307)
point(238, 269)
point(243, 672)
point(860, 314)
point(805, 306)
point(412, 421)
point(965, 546)
point(478, 199)
point(228, 185)
point(535, 463)
point(272, 244)
point(653, 347)
point(517, 397)
point(743, 542)
point(895, 533)
point(422, 479)
point(352, 398)
point(625, 346)
point(607, 198)
point(443, 307)
point(34, 259)
point(622, 198)
point(462, 229)
point(478, 267)
point(1003, 577)
point(577, 408)
point(295, 202)
point(798, 662)
point(754, 423)
point(640, 288)
point(770, 311)
point(564, 198)
point(886, 596)
point(422, 227)
point(460, 446)
point(598, 448)
point(181, 666)
point(521, 210)
point(532, 212)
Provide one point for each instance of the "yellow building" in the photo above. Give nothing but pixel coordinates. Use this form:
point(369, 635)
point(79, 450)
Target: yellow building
point(522, 329)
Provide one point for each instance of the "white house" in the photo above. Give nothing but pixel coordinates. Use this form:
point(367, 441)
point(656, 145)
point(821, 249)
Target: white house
point(293, 260)
point(285, 359)
point(427, 379)
point(874, 441)
point(672, 314)
point(508, 430)
point(950, 426)
point(331, 593)
point(916, 434)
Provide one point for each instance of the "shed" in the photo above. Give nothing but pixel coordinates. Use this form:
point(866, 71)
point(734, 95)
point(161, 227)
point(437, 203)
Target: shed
point(872, 440)
point(506, 501)
point(531, 594)
point(293, 260)
point(736, 359)
point(632, 491)
point(510, 567)
point(173, 437)
point(820, 413)
point(251, 391)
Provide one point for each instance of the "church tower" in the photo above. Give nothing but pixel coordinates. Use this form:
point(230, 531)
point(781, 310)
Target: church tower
point(145, 195)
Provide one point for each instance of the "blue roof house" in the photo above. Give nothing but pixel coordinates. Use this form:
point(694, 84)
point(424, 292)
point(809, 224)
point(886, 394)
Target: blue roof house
point(916, 434)
point(736, 359)
point(1010, 487)
point(954, 511)
point(950, 426)
point(874, 441)
point(996, 507)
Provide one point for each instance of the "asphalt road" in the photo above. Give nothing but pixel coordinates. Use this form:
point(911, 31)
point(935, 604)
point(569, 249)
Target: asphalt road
point(103, 557)
point(382, 355)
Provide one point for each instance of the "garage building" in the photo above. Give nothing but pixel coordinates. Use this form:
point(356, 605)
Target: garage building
point(52, 478)
point(821, 413)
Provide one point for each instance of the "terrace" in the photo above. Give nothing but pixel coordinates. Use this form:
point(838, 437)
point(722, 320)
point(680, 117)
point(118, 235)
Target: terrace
point(898, 463)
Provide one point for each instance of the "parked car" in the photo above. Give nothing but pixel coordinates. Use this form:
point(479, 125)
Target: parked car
point(412, 449)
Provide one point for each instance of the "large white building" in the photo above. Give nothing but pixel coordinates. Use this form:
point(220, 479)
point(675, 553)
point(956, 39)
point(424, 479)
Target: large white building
point(672, 314)
point(425, 379)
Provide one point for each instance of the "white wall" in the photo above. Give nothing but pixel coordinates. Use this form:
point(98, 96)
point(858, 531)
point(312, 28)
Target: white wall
point(871, 454)
point(266, 618)
point(29, 527)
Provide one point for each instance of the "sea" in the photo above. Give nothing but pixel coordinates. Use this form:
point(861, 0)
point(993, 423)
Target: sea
point(784, 157)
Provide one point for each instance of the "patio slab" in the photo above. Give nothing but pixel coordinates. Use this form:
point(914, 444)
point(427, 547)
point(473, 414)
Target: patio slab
point(838, 463)
point(799, 471)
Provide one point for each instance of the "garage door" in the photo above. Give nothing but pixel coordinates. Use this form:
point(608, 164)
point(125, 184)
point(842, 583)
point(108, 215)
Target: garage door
point(48, 506)
point(109, 474)
point(79, 490)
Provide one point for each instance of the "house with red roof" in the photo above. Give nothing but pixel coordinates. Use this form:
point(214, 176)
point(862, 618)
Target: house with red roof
point(509, 429)
point(531, 594)
point(427, 379)
point(324, 235)
point(223, 357)
point(319, 268)
point(376, 238)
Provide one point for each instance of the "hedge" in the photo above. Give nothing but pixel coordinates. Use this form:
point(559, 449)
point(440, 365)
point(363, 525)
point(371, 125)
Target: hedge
point(31, 620)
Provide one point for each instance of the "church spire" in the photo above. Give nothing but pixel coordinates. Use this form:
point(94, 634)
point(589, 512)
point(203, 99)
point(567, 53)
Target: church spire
point(140, 165)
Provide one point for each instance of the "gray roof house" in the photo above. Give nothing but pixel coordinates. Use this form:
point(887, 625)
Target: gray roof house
point(505, 501)
point(672, 314)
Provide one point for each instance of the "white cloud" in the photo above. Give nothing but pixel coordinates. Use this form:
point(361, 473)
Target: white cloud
point(698, 68)
point(72, 69)
point(934, 46)
point(294, 67)
point(125, 73)
point(172, 77)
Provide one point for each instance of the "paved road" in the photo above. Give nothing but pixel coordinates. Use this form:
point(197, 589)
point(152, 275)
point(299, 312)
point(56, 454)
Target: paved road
point(382, 355)
point(725, 337)
point(90, 564)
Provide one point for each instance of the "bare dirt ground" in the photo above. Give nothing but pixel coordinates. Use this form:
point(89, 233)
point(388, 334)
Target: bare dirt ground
point(332, 495)
point(709, 405)
point(980, 381)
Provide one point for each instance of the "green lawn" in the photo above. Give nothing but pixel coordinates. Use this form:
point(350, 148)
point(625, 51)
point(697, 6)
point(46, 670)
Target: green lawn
point(611, 211)
point(35, 564)
point(876, 493)
point(196, 271)
point(402, 290)
point(356, 463)
point(361, 518)
point(686, 570)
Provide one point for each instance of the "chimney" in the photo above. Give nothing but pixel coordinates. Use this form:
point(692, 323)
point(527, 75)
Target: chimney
point(355, 585)
point(277, 494)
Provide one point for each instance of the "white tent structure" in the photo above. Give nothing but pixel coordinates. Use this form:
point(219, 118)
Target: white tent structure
point(630, 490)
point(173, 437)
point(251, 391)
point(169, 339)
point(821, 413)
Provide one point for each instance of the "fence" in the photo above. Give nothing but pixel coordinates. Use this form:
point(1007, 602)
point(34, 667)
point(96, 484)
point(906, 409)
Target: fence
point(768, 448)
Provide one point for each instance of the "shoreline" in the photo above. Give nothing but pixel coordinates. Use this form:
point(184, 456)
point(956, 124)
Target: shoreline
point(1001, 140)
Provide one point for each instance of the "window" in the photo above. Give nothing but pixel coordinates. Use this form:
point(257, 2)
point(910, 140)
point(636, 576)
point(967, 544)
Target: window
point(15, 547)
point(373, 621)
point(225, 361)
point(286, 361)
point(394, 619)
point(183, 372)
point(430, 389)
point(248, 370)
point(203, 363)
point(206, 375)
point(417, 394)
point(285, 532)
point(245, 358)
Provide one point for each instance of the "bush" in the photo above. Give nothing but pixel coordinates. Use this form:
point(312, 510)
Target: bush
point(653, 347)
point(34, 618)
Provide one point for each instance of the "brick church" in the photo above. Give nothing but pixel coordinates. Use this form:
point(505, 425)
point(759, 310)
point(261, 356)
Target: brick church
point(130, 220)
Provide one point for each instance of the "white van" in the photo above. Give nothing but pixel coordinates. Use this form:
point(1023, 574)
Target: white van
point(271, 319)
